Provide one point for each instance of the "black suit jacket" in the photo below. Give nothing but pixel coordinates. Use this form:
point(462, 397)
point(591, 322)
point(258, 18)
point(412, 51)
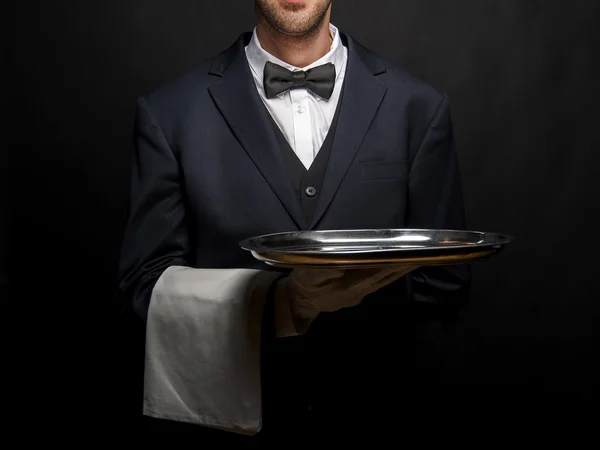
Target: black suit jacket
point(207, 173)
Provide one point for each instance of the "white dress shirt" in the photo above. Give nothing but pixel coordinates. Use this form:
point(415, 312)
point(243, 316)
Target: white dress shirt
point(303, 117)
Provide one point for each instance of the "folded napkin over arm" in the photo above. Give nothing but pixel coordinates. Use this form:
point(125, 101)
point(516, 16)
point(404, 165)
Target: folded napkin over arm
point(203, 345)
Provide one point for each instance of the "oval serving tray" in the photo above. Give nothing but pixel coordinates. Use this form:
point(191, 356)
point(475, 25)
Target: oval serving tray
point(370, 248)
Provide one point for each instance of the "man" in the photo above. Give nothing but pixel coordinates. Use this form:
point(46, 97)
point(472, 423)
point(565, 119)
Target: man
point(296, 126)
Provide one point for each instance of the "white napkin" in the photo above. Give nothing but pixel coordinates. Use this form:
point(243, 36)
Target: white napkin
point(203, 347)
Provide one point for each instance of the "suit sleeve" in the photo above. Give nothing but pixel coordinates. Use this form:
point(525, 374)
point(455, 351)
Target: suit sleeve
point(155, 235)
point(436, 201)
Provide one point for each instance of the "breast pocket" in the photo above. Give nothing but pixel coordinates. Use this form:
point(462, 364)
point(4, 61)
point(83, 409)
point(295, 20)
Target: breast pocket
point(383, 170)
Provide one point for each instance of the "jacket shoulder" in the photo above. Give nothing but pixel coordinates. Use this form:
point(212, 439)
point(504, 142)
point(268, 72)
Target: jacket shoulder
point(401, 82)
point(185, 88)
point(420, 91)
point(423, 103)
point(189, 89)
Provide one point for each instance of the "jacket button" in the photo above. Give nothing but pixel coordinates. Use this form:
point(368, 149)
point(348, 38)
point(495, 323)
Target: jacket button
point(310, 191)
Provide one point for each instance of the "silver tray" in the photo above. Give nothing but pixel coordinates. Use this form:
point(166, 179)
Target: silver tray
point(373, 248)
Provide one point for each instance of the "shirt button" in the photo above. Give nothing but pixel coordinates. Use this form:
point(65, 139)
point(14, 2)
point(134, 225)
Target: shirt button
point(310, 191)
point(300, 109)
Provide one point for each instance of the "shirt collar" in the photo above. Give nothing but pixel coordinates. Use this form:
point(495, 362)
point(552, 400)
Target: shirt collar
point(258, 57)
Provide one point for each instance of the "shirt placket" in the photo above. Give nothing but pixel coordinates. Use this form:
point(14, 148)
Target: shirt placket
point(303, 139)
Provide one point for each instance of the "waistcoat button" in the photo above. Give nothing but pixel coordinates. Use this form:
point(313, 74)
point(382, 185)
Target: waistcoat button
point(310, 191)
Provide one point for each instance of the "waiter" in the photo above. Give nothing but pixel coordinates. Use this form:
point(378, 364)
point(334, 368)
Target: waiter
point(296, 126)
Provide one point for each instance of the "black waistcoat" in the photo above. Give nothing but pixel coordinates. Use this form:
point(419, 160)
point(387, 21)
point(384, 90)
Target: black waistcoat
point(307, 183)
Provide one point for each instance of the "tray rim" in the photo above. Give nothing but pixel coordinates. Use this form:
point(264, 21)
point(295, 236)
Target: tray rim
point(503, 239)
point(465, 258)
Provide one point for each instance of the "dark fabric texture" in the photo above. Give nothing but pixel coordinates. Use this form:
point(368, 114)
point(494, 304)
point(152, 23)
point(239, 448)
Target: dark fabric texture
point(209, 171)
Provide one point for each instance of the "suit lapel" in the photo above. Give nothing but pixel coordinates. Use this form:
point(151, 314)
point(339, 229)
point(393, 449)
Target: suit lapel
point(361, 98)
point(238, 100)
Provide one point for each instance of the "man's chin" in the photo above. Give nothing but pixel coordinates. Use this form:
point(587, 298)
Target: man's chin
point(293, 31)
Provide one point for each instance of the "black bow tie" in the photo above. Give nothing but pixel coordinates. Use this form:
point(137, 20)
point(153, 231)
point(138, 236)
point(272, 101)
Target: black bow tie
point(319, 80)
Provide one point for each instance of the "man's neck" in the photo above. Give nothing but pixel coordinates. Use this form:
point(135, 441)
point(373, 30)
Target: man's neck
point(298, 51)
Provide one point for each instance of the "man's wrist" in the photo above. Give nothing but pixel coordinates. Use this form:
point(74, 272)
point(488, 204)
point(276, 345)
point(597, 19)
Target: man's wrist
point(290, 319)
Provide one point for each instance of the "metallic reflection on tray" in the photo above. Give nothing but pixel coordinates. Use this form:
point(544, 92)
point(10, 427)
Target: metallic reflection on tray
point(371, 248)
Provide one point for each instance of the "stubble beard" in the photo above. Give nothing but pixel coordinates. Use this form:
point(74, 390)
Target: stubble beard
point(292, 20)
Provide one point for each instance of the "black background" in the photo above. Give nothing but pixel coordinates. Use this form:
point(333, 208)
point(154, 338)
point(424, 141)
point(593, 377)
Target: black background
point(521, 79)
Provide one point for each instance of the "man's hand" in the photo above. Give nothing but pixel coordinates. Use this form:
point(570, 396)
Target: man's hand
point(308, 292)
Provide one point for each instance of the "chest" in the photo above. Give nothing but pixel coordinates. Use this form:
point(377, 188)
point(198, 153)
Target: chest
point(244, 178)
